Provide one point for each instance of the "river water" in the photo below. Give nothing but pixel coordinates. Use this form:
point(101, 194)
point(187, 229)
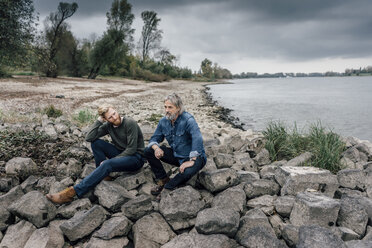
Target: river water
point(342, 104)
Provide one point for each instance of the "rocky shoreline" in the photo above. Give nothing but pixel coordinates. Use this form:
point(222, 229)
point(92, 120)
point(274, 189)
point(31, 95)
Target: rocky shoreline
point(240, 198)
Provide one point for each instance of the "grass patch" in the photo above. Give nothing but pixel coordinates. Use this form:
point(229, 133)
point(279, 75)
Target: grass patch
point(84, 117)
point(155, 118)
point(53, 112)
point(326, 146)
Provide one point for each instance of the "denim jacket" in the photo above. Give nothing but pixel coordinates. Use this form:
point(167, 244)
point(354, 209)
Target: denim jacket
point(184, 137)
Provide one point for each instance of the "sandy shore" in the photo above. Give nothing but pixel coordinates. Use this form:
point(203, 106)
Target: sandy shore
point(23, 98)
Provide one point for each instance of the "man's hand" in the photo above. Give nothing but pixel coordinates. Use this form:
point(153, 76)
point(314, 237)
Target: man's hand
point(185, 165)
point(159, 153)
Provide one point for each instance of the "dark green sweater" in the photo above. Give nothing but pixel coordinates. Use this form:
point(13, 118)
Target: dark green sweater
point(126, 137)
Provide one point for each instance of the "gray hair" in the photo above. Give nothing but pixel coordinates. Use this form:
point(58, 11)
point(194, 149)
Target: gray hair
point(176, 101)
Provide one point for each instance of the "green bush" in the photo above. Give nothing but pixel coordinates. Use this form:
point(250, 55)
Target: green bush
point(51, 111)
point(155, 118)
point(85, 117)
point(326, 146)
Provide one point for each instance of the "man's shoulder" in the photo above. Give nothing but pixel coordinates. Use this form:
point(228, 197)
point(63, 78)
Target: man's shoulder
point(130, 121)
point(187, 115)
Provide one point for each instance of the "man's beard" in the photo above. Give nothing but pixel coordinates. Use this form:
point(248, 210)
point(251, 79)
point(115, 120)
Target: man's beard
point(171, 117)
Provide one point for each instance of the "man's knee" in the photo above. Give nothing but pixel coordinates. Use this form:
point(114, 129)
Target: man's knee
point(96, 144)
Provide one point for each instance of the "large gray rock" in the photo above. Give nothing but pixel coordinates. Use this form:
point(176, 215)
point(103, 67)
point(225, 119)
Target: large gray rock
point(195, 240)
point(69, 210)
point(218, 180)
point(10, 197)
point(114, 227)
point(130, 182)
point(217, 221)
point(29, 184)
point(315, 237)
point(290, 234)
point(137, 207)
point(112, 243)
point(35, 208)
point(21, 167)
point(253, 218)
point(314, 208)
point(262, 158)
point(17, 235)
point(69, 168)
point(265, 203)
point(261, 187)
point(61, 185)
point(5, 218)
point(258, 237)
point(300, 160)
point(180, 207)
point(284, 204)
point(7, 183)
point(83, 223)
point(47, 237)
point(352, 178)
point(44, 184)
point(353, 215)
point(297, 179)
point(223, 160)
point(151, 231)
point(232, 198)
point(112, 195)
point(242, 161)
point(248, 176)
point(359, 244)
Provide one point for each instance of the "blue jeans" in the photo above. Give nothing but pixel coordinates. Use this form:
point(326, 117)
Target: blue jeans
point(106, 153)
point(159, 172)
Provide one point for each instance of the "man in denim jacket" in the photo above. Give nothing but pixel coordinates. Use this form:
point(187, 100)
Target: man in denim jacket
point(186, 150)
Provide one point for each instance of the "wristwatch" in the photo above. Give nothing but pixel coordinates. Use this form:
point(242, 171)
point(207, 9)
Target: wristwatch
point(193, 159)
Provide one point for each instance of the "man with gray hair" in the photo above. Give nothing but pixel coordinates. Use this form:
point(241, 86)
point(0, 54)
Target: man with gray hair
point(186, 149)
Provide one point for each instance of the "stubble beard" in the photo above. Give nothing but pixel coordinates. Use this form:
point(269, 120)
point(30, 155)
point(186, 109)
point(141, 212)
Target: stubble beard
point(171, 117)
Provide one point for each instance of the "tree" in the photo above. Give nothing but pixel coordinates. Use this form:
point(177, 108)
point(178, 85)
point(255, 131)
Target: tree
point(114, 44)
point(17, 27)
point(206, 68)
point(54, 32)
point(151, 36)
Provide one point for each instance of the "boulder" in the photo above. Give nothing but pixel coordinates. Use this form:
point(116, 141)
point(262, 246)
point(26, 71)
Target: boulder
point(83, 223)
point(5, 218)
point(232, 198)
point(243, 161)
point(297, 179)
point(137, 207)
point(262, 158)
point(44, 184)
point(347, 234)
point(112, 243)
point(218, 180)
point(87, 169)
point(261, 187)
point(314, 208)
point(352, 178)
point(112, 195)
point(69, 168)
point(248, 176)
point(223, 160)
point(30, 183)
point(10, 197)
point(290, 234)
point(217, 221)
point(69, 210)
point(151, 231)
point(300, 160)
point(35, 208)
point(17, 235)
point(314, 236)
point(115, 227)
point(284, 204)
point(46, 237)
point(359, 244)
point(265, 203)
point(195, 240)
point(7, 183)
point(258, 237)
point(133, 181)
point(180, 207)
point(20, 167)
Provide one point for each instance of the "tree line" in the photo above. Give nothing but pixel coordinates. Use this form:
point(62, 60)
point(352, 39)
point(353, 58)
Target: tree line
point(55, 51)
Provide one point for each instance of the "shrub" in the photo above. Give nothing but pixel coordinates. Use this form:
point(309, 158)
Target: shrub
point(85, 117)
point(155, 118)
point(53, 112)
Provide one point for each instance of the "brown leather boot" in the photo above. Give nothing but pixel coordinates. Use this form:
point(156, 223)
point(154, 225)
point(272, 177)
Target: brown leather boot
point(159, 187)
point(108, 178)
point(64, 196)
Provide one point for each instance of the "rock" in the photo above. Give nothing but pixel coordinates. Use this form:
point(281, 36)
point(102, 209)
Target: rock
point(315, 236)
point(253, 218)
point(111, 195)
point(352, 154)
point(223, 160)
point(83, 223)
point(258, 237)
point(351, 178)
point(368, 235)
point(6, 183)
point(180, 207)
point(218, 180)
point(244, 162)
point(207, 198)
point(46, 237)
point(217, 221)
point(345, 192)
point(17, 235)
point(352, 215)
point(235, 143)
point(290, 234)
point(34, 207)
point(232, 198)
point(29, 184)
point(114, 227)
point(314, 208)
point(87, 170)
point(347, 234)
point(268, 171)
point(265, 203)
point(5, 218)
point(69, 168)
point(61, 128)
point(248, 176)
point(297, 179)
point(10, 197)
point(112, 243)
point(300, 160)
point(195, 240)
point(59, 186)
point(284, 204)
point(151, 231)
point(68, 211)
point(277, 224)
point(255, 146)
point(137, 207)
point(262, 158)
point(45, 183)
point(130, 182)
point(21, 167)
point(261, 187)
point(359, 244)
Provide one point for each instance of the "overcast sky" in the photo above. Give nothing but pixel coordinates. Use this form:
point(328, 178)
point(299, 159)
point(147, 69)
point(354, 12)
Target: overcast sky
point(247, 35)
